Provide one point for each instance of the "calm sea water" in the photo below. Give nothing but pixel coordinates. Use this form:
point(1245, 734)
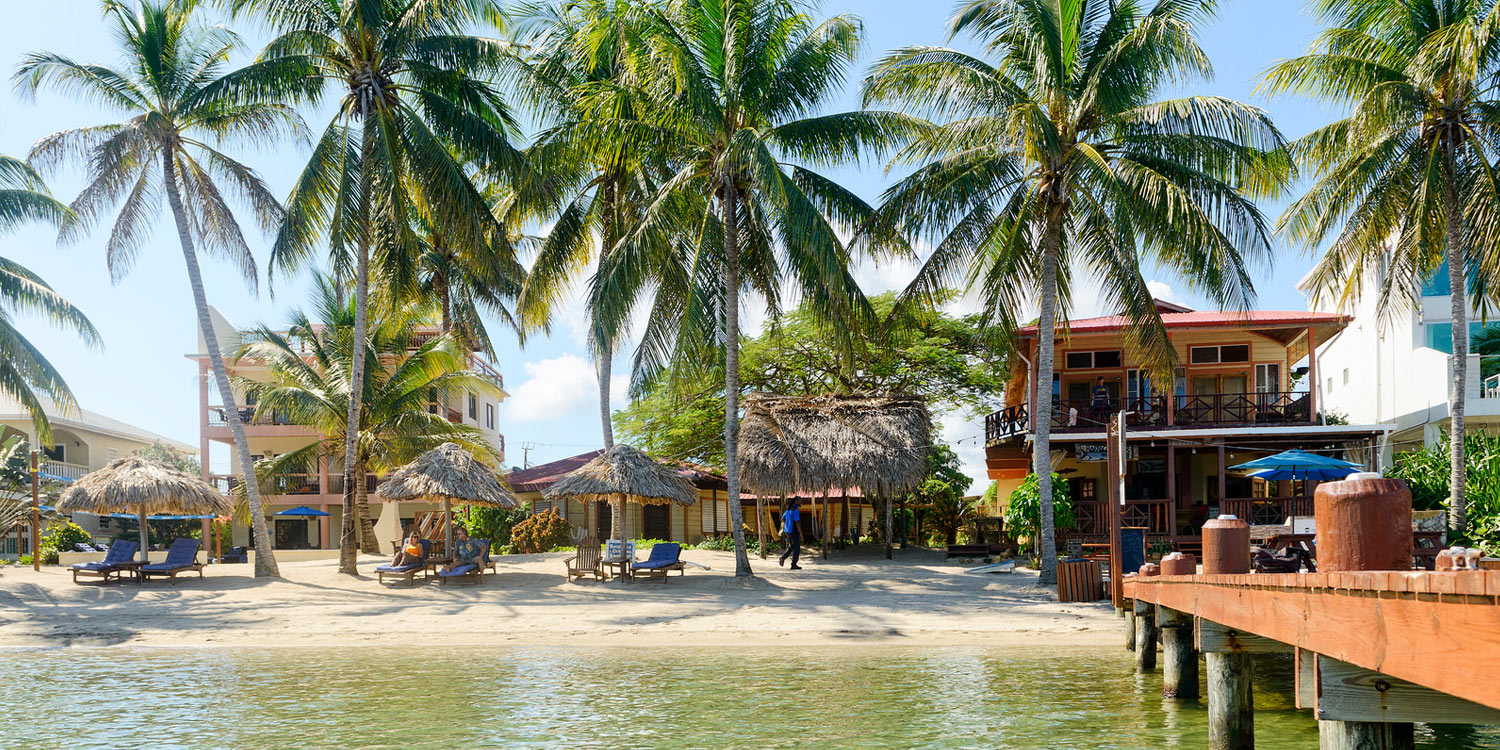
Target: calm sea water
point(658, 697)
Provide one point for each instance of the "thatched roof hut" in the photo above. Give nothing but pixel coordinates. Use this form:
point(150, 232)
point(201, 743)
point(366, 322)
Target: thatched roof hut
point(448, 473)
point(795, 445)
point(625, 473)
point(142, 486)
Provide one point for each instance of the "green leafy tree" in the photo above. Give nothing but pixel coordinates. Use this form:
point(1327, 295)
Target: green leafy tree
point(416, 107)
point(493, 524)
point(169, 88)
point(1426, 472)
point(1052, 152)
point(955, 363)
point(60, 537)
point(1404, 186)
point(305, 382)
point(736, 87)
point(166, 454)
point(1023, 513)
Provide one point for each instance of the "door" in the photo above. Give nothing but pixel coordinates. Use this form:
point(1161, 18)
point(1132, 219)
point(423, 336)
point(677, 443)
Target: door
point(656, 521)
point(1236, 402)
point(291, 533)
point(603, 515)
point(1267, 390)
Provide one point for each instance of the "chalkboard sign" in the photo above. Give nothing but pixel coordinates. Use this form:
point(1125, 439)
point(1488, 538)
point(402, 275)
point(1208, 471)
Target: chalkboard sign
point(1132, 549)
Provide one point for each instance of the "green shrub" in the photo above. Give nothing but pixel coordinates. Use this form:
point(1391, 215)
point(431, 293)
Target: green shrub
point(541, 532)
point(61, 538)
point(1426, 473)
point(493, 524)
point(1023, 516)
point(717, 544)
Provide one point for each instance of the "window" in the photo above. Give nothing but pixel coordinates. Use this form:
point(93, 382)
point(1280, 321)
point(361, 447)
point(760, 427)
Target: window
point(1092, 360)
point(1268, 378)
point(473, 407)
point(111, 454)
point(1213, 355)
point(1438, 285)
point(1346, 376)
point(1329, 389)
point(1440, 335)
point(58, 452)
point(489, 416)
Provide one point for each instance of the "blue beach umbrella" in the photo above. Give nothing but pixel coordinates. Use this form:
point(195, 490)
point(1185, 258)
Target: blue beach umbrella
point(1295, 464)
point(302, 510)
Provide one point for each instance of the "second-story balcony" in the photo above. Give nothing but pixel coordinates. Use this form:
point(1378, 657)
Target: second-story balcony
point(1159, 412)
point(218, 417)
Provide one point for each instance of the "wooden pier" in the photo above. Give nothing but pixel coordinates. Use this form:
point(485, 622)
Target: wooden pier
point(1375, 650)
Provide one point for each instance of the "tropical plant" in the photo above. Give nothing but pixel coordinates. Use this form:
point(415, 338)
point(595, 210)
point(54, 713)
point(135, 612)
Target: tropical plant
point(1403, 187)
point(465, 283)
point(60, 537)
point(736, 88)
point(947, 509)
point(169, 86)
point(306, 382)
point(1426, 472)
point(1023, 513)
point(415, 111)
point(24, 371)
point(166, 454)
point(579, 78)
point(1487, 346)
point(1053, 154)
point(541, 532)
point(493, 524)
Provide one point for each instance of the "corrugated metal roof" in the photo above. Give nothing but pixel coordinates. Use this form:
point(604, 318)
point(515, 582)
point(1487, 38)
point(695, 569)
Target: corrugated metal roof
point(1205, 319)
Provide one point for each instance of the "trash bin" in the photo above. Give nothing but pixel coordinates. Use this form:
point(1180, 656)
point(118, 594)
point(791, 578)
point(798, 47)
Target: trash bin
point(1079, 581)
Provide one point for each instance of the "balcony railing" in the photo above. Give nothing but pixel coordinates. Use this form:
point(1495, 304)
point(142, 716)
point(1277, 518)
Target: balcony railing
point(65, 470)
point(289, 484)
point(1157, 412)
point(1156, 517)
point(218, 417)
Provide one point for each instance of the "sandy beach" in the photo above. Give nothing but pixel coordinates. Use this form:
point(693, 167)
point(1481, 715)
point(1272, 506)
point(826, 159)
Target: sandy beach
point(856, 597)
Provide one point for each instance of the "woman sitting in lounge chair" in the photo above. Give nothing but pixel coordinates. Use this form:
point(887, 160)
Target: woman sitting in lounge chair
point(409, 553)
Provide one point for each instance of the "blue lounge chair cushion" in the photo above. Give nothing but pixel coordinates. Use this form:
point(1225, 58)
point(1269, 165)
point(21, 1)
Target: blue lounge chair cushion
point(119, 552)
point(182, 554)
point(399, 568)
point(81, 547)
point(460, 570)
point(662, 556)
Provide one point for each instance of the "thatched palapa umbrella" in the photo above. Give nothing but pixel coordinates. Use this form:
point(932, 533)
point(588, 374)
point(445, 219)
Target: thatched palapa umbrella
point(816, 444)
point(448, 474)
point(625, 473)
point(142, 486)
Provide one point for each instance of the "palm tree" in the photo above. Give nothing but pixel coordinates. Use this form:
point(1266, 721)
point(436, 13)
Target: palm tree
point(1404, 185)
point(735, 89)
point(465, 283)
point(1053, 154)
point(579, 76)
point(168, 86)
point(414, 110)
point(306, 379)
point(24, 371)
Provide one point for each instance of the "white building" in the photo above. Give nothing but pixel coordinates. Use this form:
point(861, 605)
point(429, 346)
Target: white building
point(1396, 371)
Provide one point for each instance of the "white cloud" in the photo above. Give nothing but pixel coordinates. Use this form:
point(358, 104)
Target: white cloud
point(563, 386)
point(1164, 292)
point(965, 436)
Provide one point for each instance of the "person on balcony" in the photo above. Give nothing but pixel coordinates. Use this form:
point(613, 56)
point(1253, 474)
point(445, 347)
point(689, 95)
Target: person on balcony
point(1102, 404)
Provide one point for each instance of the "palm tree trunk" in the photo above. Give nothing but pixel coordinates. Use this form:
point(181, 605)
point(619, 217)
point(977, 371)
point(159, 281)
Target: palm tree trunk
point(367, 540)
point(440, 285)
point(265, 560)
point(1459, 302)
point(1041, 418)
point(732, 377)
point(348, 536)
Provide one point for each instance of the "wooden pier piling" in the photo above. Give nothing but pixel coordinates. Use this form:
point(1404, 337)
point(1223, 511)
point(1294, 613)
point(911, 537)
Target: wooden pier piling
point(1231, 704)
point(1145, 637)
point(1129, 612)
point(1179, 660)
point(1365, 735)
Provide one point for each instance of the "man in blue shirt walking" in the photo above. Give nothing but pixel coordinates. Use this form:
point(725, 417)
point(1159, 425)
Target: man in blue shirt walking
point(791, 527)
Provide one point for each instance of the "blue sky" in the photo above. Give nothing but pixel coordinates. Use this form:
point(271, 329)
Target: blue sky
point(147, 320)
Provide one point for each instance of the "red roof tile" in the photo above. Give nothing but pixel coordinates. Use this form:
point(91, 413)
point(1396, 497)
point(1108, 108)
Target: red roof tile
point(542, 476)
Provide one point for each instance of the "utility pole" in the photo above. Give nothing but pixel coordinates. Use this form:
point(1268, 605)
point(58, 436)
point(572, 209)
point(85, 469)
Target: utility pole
point(36, 514)
point(526, 454)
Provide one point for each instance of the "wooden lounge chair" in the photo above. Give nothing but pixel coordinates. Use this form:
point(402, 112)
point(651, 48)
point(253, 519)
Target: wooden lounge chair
point(470, 572)
point(407, 572)
point(663, 559)
point(182, 557)
point(585, 562)
point(118, 561)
